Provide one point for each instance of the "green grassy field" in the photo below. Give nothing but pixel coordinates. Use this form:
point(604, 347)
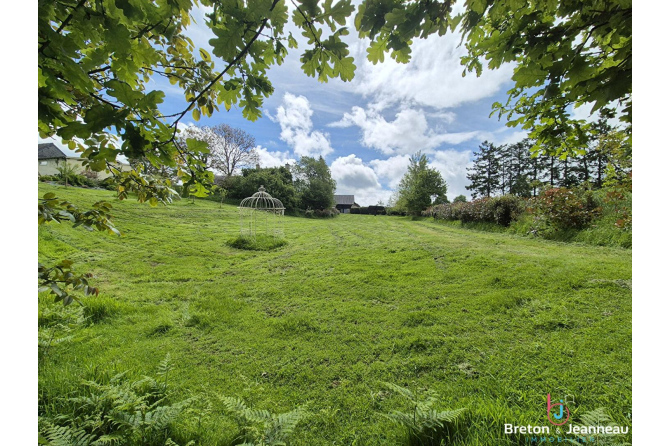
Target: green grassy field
point(491, 322)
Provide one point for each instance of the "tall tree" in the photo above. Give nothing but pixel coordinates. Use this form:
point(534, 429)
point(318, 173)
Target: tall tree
point(278, 182)
point(420, 186)
point(536, 170)
point(568, 174)
point(230, 148)
point(484, 175)
point(504, 167)
point(520, 166)
point(597, 156)
point(313, 183)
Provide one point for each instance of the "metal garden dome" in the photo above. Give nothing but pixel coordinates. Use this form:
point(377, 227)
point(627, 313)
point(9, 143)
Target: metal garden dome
point(261, 213)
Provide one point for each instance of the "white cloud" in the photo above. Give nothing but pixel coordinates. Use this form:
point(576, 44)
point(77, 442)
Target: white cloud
point(351, 174)
point(376, 180)
point(295, 119)
point(408, 133)
point(355, 178)
point(447, 117)
point(391, 169)
point(452, 165)
point(273, 159)
point(433, 77)
point(503, 135)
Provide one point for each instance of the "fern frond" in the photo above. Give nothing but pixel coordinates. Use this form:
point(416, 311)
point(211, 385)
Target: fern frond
point(110, 440)
point(233, 404)
point(598, 417)
point(165, 366)
point(257, 415)
point(401, 390)
point(66, 436)
point(449, 416)
point(422, 419)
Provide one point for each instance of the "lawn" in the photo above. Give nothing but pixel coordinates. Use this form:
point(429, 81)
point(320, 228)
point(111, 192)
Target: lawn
point(490, 322)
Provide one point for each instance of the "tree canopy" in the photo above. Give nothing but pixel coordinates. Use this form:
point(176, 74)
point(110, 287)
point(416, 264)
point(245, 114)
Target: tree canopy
point(421, 186)
point(566, 53)
point(314, 184)
point(96, 59)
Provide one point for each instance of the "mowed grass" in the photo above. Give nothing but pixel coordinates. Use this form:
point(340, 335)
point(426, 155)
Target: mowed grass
point(491, 322)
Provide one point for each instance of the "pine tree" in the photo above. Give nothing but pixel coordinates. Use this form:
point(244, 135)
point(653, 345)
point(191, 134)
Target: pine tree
point(505, 168)
point(484, 176)
point(520, 166)
point(597, 157)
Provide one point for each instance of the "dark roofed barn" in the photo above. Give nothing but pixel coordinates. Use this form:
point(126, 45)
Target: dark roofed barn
point(343, 203)
point(49, 151)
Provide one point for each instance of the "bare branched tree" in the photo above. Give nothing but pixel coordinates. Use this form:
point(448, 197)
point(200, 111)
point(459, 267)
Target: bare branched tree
point(230, 149)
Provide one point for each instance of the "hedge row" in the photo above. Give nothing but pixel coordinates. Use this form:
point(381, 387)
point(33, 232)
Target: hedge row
point(560, 208)
point(499, 210)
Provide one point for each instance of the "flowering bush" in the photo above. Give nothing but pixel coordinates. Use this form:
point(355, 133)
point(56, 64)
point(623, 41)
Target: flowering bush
point(618, 200)
point(499, 210)
point(567, 208)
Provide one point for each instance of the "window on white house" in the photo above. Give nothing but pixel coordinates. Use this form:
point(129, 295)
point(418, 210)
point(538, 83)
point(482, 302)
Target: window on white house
point(43, 163)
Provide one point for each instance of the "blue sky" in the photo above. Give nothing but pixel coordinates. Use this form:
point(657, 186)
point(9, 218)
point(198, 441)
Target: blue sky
point(367, 129)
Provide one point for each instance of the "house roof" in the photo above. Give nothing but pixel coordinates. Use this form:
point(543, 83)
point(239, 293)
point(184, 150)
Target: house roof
point(344, 199)
point(49, 150)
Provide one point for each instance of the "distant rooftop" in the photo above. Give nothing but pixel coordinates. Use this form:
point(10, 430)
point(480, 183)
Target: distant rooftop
point(344, 199)
point(49, 151)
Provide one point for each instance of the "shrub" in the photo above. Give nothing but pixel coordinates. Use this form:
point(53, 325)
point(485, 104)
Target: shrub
point(261, 242)
point(618, 203)
point(108, 183)
point(52, 178)
point(322, 213)
point(391, 211)
point(499, 210)
point(90, 174)
point(506, 209)
point(262, 427)
point(567, 208)
point(326, 213)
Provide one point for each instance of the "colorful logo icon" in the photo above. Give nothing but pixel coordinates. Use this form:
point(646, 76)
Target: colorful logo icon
point(563, 411)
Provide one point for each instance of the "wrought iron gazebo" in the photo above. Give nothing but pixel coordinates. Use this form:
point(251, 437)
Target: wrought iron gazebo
point(263, 214)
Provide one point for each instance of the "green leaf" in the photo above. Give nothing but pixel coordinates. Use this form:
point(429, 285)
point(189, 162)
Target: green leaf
point(376, 51)
point(292, 43)
point(41, 78)
point(345, 67)
point(196, 146)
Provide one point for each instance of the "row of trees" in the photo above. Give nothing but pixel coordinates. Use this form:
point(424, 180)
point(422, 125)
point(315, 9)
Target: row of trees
point(515, 169)
point(307, 184)
point(232, 155)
